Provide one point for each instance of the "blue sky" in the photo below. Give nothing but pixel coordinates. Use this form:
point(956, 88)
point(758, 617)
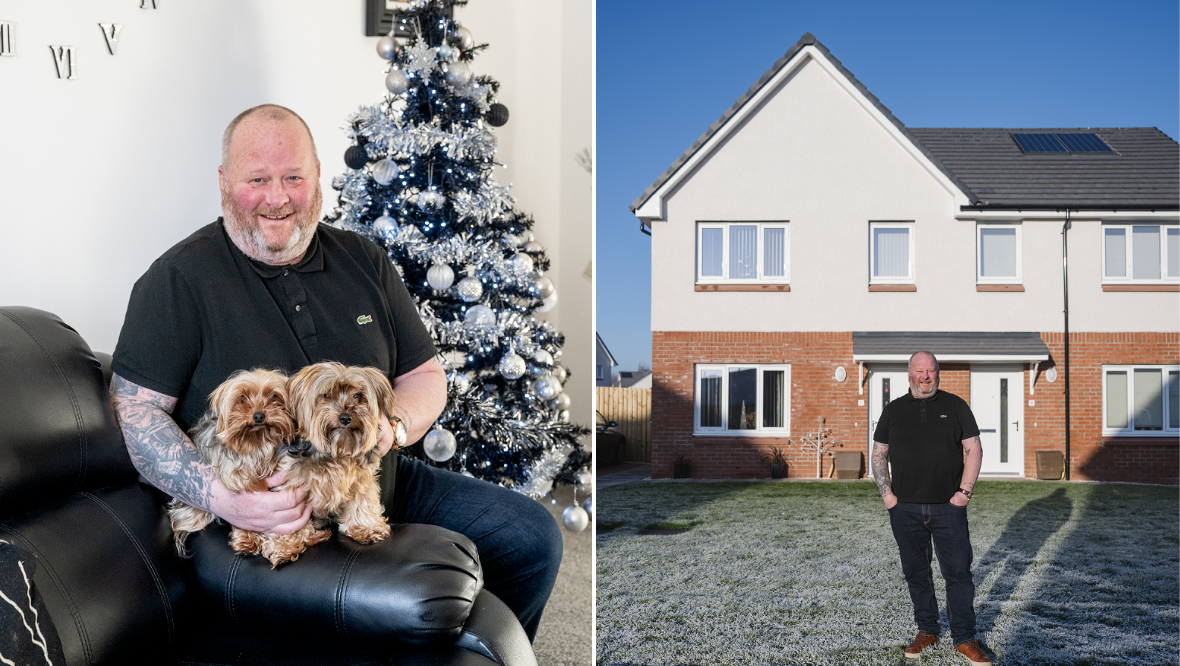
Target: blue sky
point(666, 70)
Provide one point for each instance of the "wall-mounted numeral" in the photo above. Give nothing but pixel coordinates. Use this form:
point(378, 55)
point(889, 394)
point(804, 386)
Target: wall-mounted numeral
point(6, 48)
point(66, 61)
point(111, 32)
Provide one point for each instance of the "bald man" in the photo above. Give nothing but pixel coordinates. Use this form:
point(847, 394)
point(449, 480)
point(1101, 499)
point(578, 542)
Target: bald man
point(266, 285)
point(931, 440)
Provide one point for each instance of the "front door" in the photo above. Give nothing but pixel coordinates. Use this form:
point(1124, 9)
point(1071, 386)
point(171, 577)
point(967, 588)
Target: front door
point(997, 400)
point(887, 382)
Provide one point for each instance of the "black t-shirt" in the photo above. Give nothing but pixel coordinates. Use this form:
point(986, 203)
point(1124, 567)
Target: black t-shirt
point(925, 438)
point(204, 310)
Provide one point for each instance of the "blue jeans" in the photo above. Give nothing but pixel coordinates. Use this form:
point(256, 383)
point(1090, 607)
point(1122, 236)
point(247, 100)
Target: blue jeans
point(914, 525)
point(518, 540)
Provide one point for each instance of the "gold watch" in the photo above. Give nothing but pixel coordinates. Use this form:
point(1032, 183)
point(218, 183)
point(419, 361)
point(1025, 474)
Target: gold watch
point(399, 432)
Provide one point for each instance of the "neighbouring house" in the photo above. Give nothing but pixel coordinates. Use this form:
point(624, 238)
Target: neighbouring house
point(604, 363)
point(637, 379)
point(809, 242)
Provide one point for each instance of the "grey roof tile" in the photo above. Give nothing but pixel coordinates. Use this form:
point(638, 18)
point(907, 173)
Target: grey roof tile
point(948, 343)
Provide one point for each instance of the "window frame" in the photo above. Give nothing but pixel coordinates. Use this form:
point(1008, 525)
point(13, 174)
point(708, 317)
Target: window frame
point(907, 225)
point(724, 278)
point(1128, 228)
point(723, 430)
point(1129, 369)
point(980, 278)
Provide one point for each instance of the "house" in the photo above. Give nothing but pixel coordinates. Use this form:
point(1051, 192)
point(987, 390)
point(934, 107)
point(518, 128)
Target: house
point(604, 363)
point(827, 242)
point(637, 379)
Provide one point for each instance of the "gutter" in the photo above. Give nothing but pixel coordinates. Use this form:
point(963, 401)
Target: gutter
point(1061, 208)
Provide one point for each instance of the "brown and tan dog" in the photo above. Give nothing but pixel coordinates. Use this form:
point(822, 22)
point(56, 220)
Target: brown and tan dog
point(338, 410)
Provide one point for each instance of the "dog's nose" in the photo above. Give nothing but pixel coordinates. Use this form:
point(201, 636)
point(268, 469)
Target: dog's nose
point(259, 417)
point(345, 419)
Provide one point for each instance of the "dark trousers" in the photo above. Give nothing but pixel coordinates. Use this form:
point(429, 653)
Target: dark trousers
point(518, 540)
point(914, 527)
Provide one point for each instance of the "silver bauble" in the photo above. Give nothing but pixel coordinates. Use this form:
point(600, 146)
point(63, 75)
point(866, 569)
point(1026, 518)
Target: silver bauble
point(440, 276)
point(385, 226)
point(544, 287)
point(447, 53)
point(460, 381)
point(543, 359)
point(458, 73)
point(588, 507)
point(387, 47)
point(470, 289)
point(585, 480)
point(575, 518)
point(533, 247)
point(561, 373)
point(563, 402)
point(512, 366)
point(463, 39)
point(439, 444)
point(480, 315)
point(546, 387)
point(396, 82)
point(385, 171)
point(565, 416)
point(548, 303)
point(521, 262)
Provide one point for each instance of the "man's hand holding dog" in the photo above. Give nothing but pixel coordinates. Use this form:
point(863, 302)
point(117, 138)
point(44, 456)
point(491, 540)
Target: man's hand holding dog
point(281, 511)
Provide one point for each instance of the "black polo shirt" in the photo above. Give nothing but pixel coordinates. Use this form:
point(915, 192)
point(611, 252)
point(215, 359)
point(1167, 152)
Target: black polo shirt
point(204, 310)
point(925, 438)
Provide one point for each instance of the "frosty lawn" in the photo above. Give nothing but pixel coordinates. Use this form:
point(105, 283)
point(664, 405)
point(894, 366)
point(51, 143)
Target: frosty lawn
point(808, 573)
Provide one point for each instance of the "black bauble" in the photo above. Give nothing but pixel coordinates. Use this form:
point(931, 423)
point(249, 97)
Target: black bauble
point(356, 157)
point(497, 115)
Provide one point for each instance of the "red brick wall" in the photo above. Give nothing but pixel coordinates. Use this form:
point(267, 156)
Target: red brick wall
point(816, 394)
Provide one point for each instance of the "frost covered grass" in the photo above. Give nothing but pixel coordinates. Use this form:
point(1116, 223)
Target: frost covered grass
point(808, 573)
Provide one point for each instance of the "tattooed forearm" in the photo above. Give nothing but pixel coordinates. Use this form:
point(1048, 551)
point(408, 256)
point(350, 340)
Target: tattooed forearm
point(880, 463)
point(158, 449)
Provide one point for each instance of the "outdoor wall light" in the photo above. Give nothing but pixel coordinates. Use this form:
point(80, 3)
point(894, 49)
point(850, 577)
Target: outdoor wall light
point(841, 374)
point(1051, 375)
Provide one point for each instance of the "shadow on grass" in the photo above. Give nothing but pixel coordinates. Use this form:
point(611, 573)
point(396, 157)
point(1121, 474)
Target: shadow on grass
point(1024, 535)
point(628, 509)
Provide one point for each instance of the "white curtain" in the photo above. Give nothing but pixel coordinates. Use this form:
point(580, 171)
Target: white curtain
point(774, 263)
point(711, 252)
point(743, 252)
point(1116, 252)
point(1173, 252)
point(1145, 253)
point(1116, 399)
point(891, 252)
point(1149, 398)
point(997, 252)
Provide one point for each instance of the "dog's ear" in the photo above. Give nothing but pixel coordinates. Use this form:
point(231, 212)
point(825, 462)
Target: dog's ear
point(220, 395)
point(382, 389)
point(297, 390)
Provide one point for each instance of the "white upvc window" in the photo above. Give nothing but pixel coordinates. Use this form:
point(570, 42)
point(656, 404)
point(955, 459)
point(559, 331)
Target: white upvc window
point(1141, 253)
point(743, 252)
point(997, 254)
point(891, 253)
point(742, 399)
point(1141, 400)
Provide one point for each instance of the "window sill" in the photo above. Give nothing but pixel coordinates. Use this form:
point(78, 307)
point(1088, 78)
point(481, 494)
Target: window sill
point(1140, 440)
point(999, 287)
point(893, 287)
point(1141, 287)
point(762, 440)
point(742, 287)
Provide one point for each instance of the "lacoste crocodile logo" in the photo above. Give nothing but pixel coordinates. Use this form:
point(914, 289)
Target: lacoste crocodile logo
point(942, 416)
point(364, 319)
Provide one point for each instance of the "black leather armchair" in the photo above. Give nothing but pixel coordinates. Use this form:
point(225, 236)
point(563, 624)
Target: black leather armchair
point(117, 593)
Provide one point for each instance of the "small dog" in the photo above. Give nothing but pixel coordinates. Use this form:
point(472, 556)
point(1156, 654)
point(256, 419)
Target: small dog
point(338, 410)
point(243, 437)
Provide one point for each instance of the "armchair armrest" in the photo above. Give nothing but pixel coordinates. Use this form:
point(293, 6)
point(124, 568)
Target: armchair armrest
point(417, 586)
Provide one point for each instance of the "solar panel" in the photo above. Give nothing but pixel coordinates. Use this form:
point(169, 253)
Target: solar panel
point(1084, 143)
point(1039, 143)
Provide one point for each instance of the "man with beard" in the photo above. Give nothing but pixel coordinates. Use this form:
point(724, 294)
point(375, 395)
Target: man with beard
point(930, 439)
point(267, 286)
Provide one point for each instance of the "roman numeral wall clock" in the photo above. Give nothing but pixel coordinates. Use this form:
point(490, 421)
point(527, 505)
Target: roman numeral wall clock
point(65, 57)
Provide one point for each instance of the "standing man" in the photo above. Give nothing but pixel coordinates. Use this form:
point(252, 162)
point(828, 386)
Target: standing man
point(931, 440)
point(268, 286)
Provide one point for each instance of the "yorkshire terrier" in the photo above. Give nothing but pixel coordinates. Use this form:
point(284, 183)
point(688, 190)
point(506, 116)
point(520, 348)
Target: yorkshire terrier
point(244, 437)
point(338, 410)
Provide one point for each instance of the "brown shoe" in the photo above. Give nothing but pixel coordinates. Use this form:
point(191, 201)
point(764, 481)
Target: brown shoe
point(973, 653)
point(921, 642)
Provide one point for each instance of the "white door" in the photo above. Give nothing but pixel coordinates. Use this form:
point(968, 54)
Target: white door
point(997, 400)
point(887, 382)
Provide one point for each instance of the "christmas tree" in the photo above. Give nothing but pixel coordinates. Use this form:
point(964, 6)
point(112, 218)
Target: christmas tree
point(420, 184)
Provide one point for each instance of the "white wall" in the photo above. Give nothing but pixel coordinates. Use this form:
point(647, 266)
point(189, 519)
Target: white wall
point(814, 156)
point(101, 174)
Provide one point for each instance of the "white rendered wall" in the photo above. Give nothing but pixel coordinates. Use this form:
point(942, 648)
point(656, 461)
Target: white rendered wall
point(814, 156)
point(101, 174)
